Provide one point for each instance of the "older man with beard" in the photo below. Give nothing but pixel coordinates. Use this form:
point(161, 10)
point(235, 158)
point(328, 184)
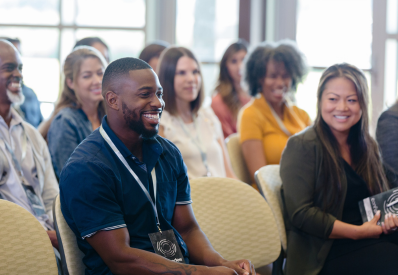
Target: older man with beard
point(125, 191)
point(26, 173)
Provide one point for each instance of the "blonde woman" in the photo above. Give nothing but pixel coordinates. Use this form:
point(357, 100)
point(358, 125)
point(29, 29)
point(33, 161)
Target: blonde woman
point(80, 108)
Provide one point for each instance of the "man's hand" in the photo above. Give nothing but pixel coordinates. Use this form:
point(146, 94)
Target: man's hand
point(53, 238)
point(242, 267)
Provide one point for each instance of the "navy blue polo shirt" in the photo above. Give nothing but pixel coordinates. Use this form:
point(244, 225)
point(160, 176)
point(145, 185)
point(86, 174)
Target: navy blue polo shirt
point(97, 192)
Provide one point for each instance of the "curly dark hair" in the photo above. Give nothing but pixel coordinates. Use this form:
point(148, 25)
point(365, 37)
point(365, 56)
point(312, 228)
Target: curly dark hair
point(284, 51)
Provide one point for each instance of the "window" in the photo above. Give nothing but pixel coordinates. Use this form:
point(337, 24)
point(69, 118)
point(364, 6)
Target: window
point(207, 27)
point(330, 32)
point(48, 30)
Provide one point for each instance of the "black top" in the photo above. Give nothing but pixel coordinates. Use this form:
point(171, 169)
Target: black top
point(356, 191)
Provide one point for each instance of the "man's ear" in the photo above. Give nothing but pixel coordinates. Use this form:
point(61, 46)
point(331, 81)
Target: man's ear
point(70, 83)
point(112, 100)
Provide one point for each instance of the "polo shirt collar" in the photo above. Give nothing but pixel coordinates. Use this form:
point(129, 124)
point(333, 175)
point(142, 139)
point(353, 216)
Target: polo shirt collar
point(151, 147)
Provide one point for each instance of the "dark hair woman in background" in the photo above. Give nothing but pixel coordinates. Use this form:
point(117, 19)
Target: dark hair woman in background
point(151, 53)
point(96, 43)
point(273, 71)
point(230, 96)
point(196, 131)
point(326, 170)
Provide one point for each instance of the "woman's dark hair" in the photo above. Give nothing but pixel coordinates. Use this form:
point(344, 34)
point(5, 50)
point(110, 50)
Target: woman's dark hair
point(284, 51)
point(153, 50)
point(167, 70)
point(225, 85)
point(89, 41)
point(364, 151)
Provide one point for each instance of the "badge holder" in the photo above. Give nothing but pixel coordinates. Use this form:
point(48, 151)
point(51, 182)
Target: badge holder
point(165, 244)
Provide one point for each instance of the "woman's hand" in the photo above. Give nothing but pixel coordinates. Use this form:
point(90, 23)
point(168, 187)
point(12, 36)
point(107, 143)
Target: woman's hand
point(390, 223)
point(370, 229)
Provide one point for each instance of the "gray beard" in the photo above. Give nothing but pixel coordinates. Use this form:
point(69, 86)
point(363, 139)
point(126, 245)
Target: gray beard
point(16, 99)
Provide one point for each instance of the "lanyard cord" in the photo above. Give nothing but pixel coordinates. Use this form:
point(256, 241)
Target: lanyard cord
point(153, 174)
point(197, 141)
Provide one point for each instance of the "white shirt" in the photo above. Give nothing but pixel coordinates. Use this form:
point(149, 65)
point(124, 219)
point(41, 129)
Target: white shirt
point(208, 127)
point(10, 183)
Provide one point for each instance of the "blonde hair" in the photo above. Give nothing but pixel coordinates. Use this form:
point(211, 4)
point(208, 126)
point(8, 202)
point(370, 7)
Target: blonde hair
point(71, 70)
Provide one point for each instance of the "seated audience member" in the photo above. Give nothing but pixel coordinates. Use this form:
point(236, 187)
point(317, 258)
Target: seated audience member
point(80, 108)
point(387, 136)
point(125, 186)
point(230, 96)
point(96, 43)
point(151, 53)
point(272, 72)
point(194, 130)
point(30, 108)
point(326, 170)
point(27, 177)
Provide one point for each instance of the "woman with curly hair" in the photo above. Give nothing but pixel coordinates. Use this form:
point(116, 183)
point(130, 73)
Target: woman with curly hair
point(230, 96)
point(272, 72)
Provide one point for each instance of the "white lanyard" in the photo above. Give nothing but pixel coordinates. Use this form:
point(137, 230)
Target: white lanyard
point(197, 141)
point(153, 174)
point(279, 121)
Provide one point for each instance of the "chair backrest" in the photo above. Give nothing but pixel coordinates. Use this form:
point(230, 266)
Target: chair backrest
point(25, 247)
point(71, 255)
point(269, 183)
point(236, 219)
point(237, 160)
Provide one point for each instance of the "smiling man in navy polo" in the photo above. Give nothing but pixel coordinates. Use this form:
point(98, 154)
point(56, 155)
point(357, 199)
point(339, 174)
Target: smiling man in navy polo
point(125, 191)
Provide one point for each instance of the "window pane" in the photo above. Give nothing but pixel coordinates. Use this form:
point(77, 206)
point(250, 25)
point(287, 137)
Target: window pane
point(42, 75)
point(130, 13)
point(392, 20)
point(35, 42)
point(207, 27)
point(390, 72)
point(120, 43)
point(210, 73)
point(29, 12)
point(334, 31)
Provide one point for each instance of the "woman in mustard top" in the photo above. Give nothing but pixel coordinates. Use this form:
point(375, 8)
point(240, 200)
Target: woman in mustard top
point(266, 123)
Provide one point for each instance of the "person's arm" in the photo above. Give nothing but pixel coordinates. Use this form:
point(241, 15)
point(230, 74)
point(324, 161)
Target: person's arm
point(114, 249)
point(227, 163)
point(386, 135)
point(62, 141)
point(200, 250)
point(223, 117)
point(253, 152)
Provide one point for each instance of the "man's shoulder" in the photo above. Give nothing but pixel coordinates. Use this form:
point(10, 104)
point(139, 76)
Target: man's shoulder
point(32, 133)
point(169, 147)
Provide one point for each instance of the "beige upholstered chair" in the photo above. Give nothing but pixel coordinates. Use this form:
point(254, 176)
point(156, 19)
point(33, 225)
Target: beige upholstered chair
point(269, 183)
point(236, 219)
point(237, 160)
point(71, 255)
point(25, 247)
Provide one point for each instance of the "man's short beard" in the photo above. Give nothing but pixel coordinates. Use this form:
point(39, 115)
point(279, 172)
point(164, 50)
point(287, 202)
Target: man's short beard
point(16, 99)
point(135, 123)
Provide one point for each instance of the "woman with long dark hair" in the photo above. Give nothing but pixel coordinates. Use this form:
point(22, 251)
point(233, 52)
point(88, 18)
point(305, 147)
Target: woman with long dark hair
point(195, 130)
point(326, 170)
point(229, 95)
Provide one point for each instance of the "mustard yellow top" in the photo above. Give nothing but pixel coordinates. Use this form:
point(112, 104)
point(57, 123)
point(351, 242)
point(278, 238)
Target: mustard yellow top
point(257, 123)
